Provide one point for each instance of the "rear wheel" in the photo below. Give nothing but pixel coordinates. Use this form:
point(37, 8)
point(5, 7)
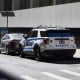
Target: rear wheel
point(7, 50)
point(37, 54)
point(22, 55)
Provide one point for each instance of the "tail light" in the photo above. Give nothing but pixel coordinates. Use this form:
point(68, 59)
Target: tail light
point(46, 40)
point(14, 41)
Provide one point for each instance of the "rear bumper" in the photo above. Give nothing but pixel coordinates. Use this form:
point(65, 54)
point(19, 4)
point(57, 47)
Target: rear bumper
point(59, 52)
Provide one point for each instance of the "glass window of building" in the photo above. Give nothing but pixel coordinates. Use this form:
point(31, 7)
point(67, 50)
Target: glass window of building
point(8, 5)
point(28, 4)
point(15, 4)
point(75, 0)
point(1, 5)
point(23, 4)
point(45, 2)
point(60, 2)
point(68, 1)
point(35, 3)
point(51, 2)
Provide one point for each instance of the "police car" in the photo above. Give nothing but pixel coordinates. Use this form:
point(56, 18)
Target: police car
point(49, 42)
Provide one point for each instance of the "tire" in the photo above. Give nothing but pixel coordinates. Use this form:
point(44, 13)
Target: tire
point(7, 50)
point(37, 54)
point(22, 55)
point(20, 51)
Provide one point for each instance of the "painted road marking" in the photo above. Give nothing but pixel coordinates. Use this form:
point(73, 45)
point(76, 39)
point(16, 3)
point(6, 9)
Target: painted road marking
point(71, 72)
point(55, 76)
point(26, 77)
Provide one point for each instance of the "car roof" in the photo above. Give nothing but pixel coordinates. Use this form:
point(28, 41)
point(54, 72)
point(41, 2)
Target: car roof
point(16, 34)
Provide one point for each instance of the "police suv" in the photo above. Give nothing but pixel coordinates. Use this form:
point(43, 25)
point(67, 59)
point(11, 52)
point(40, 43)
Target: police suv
point(49, 42)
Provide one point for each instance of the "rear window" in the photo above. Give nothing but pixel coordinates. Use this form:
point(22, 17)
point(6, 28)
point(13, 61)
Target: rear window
point(59, 33)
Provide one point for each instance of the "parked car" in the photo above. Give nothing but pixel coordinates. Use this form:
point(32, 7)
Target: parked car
point(13, 42)
point(49, 42)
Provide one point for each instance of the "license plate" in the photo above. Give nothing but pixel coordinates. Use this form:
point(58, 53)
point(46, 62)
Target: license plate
point(62, 41)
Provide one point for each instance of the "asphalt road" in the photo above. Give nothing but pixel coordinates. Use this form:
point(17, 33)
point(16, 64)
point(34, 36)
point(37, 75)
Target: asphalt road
point(29, 69)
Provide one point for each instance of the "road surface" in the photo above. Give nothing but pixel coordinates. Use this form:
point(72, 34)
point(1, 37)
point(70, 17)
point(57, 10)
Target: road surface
point(29, 69)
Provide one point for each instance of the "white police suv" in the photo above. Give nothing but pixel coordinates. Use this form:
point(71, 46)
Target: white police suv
point(49, 41)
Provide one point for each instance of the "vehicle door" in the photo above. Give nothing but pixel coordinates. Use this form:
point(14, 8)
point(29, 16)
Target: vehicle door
point(31, 40)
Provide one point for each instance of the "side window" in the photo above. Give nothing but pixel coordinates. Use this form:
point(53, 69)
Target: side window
point(7, 37)
point(34, 34)
point(43, 33)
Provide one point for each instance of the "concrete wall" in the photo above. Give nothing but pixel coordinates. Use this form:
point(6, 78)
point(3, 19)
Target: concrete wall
point(65, 15)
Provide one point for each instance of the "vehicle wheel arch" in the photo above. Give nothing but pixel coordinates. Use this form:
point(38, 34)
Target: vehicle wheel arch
point(36, 46)
point(37, 54)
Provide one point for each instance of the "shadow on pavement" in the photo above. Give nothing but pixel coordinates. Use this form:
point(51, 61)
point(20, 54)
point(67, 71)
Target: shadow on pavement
point(57, 60)
point(8, 76)
point(63, 61)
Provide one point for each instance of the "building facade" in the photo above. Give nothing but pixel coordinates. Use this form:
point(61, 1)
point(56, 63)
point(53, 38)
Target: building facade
point(26, 4)
point(31, 13)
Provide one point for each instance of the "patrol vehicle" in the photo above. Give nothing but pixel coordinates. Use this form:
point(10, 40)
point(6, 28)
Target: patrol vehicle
point(49, 42)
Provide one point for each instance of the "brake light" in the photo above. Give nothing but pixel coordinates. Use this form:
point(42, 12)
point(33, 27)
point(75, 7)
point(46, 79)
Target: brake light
point(46, 40)
point(14, 41)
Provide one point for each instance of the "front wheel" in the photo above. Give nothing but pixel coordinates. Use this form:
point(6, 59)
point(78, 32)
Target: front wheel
point(37, 54)
point(22, 55)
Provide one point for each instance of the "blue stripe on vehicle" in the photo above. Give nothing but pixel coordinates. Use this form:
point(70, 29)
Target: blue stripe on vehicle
point(35, 39)
point(28, 49)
